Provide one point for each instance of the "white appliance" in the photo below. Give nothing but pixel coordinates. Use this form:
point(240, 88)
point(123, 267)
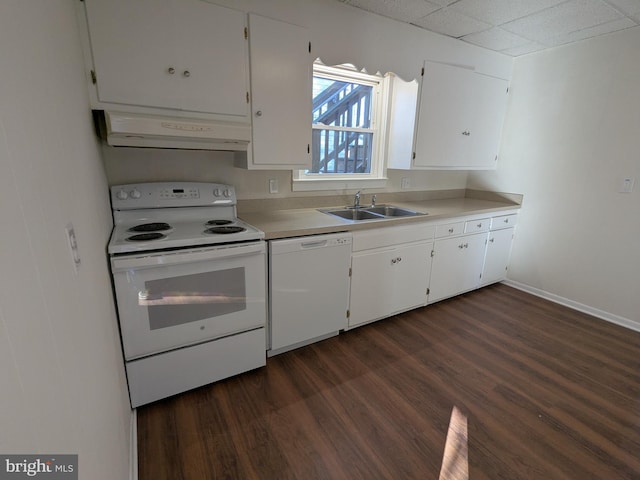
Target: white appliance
point(190, 286)
point(138, 130)
point(309, 295)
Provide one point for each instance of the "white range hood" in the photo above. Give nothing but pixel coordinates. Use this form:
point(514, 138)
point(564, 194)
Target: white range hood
point(139, 130)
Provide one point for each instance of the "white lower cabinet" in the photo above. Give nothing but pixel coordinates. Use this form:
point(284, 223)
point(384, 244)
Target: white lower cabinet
point(497, 257)
point(498, 252)
point(389, 272)
point(457, 265)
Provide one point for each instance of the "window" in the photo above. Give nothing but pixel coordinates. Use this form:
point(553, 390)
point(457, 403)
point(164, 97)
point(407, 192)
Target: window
point(347, 137)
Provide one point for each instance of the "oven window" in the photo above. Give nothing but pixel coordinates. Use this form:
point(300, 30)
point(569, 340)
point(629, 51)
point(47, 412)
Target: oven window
point(189, 298)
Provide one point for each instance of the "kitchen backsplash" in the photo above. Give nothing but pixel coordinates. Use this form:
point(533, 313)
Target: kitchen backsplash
point(133, 165)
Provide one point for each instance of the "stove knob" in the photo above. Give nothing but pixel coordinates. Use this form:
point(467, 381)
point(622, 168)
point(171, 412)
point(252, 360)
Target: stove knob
point(227, 192)
point(135, 193)
point(216, 192)
point(122, 195)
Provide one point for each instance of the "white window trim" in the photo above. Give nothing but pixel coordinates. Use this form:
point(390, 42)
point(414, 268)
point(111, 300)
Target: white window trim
point(378, 176)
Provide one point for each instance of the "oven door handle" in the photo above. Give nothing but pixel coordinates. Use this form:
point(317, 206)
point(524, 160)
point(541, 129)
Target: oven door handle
point(175, 258)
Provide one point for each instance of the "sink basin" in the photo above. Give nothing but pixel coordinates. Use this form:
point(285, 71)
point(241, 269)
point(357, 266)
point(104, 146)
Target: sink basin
point(391, 211)
point(379, 212)
point(354, 214)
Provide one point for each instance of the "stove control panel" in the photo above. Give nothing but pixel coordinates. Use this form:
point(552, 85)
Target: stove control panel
point(173, 194)
point(180, 193)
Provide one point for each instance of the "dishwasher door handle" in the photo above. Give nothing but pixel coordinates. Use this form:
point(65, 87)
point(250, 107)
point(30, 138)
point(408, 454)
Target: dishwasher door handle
point(318, 243)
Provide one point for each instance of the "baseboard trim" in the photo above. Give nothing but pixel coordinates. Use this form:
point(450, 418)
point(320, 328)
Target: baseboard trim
point(133, 455)
point(609, 317)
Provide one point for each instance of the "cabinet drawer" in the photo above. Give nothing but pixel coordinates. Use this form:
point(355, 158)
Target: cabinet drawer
point(504, 221)
point(477, 226)
point(449, 230)
point(391, 236)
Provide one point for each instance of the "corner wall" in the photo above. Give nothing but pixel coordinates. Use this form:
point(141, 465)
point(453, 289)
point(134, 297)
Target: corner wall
point(63, 388)
point(571, 134)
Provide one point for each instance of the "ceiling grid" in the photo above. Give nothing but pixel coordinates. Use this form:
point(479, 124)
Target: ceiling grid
point(512, 27)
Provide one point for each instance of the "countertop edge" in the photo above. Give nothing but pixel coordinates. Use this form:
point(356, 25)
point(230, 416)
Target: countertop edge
point(288, 223)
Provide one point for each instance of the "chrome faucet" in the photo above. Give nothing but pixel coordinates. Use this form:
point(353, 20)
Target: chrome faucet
point(356, 200)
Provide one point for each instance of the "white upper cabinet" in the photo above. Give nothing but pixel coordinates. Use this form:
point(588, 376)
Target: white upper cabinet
point(281, 67)
point(460, 117)
point(184, 55)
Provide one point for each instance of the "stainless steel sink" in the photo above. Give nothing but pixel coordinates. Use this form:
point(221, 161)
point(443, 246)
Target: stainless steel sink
point(354, 214)
point(379, 212)
point(392, 211)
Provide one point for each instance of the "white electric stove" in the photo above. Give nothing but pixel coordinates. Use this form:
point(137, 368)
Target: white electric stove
point(190, 285)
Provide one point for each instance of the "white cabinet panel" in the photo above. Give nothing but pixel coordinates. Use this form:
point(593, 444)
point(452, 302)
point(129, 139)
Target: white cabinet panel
point(457, 265)
point(460, 118)
point(188, 55)
point(497, 256)
point(280, 94)
point(388, 280)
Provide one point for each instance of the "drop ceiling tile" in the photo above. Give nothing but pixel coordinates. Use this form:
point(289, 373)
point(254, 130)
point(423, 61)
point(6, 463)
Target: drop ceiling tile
point(495, 39)
point(630, 7)
point(590, 32)
point(497, 12)
point(449, 22)
point(562, 19)
point(403, 10)
point(524, 49)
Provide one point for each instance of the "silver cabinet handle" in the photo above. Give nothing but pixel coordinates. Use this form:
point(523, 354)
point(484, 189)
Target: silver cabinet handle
point(186, 73)
point(399, 259)
point(259, 113)
point(466, 133)
point(394, 260)
point(479, 225)
point(451, 230)
point(466, 245)
point(461, 246)
point(171, 70)
point(491, 240)
point(506, 220)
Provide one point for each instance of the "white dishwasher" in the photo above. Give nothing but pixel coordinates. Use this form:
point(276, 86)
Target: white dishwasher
point(309, 289)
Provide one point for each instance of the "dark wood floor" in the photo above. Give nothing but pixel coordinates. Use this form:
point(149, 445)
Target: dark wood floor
point(550, 393)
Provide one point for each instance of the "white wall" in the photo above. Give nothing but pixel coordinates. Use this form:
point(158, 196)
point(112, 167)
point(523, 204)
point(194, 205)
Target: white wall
point(62, 380)
point(339, 33)
point(571, 133)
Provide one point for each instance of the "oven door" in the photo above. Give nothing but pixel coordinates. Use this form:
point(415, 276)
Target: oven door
point(167, 300)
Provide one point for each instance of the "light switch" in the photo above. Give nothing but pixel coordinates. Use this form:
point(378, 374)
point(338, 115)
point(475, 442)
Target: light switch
point(626, 185)
point(73, 246)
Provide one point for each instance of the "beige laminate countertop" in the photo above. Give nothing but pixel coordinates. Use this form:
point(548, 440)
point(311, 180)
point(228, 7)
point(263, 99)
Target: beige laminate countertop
point(309, 221)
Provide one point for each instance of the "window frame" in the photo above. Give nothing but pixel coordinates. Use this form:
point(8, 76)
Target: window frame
point(378, 177)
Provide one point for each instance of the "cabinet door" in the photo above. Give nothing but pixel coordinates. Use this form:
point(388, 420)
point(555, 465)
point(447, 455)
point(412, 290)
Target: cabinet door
point(457, 265)
point(485, 130)
point(214, 50)
point(280, 93)
point(372, 285)
point(387, 281)
point(186, 55)
point(460, 118)
point(444, 116)
point(411, 271)
point(497, 257)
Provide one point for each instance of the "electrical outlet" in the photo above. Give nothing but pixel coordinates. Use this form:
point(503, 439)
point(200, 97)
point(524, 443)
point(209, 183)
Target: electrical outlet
point(273, 185)
point(404, 183)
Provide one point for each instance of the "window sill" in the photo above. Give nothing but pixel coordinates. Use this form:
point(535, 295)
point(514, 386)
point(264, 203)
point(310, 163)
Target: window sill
point(343, 184)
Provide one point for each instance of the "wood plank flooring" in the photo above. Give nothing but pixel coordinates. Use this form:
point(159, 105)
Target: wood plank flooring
point(549, 393)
